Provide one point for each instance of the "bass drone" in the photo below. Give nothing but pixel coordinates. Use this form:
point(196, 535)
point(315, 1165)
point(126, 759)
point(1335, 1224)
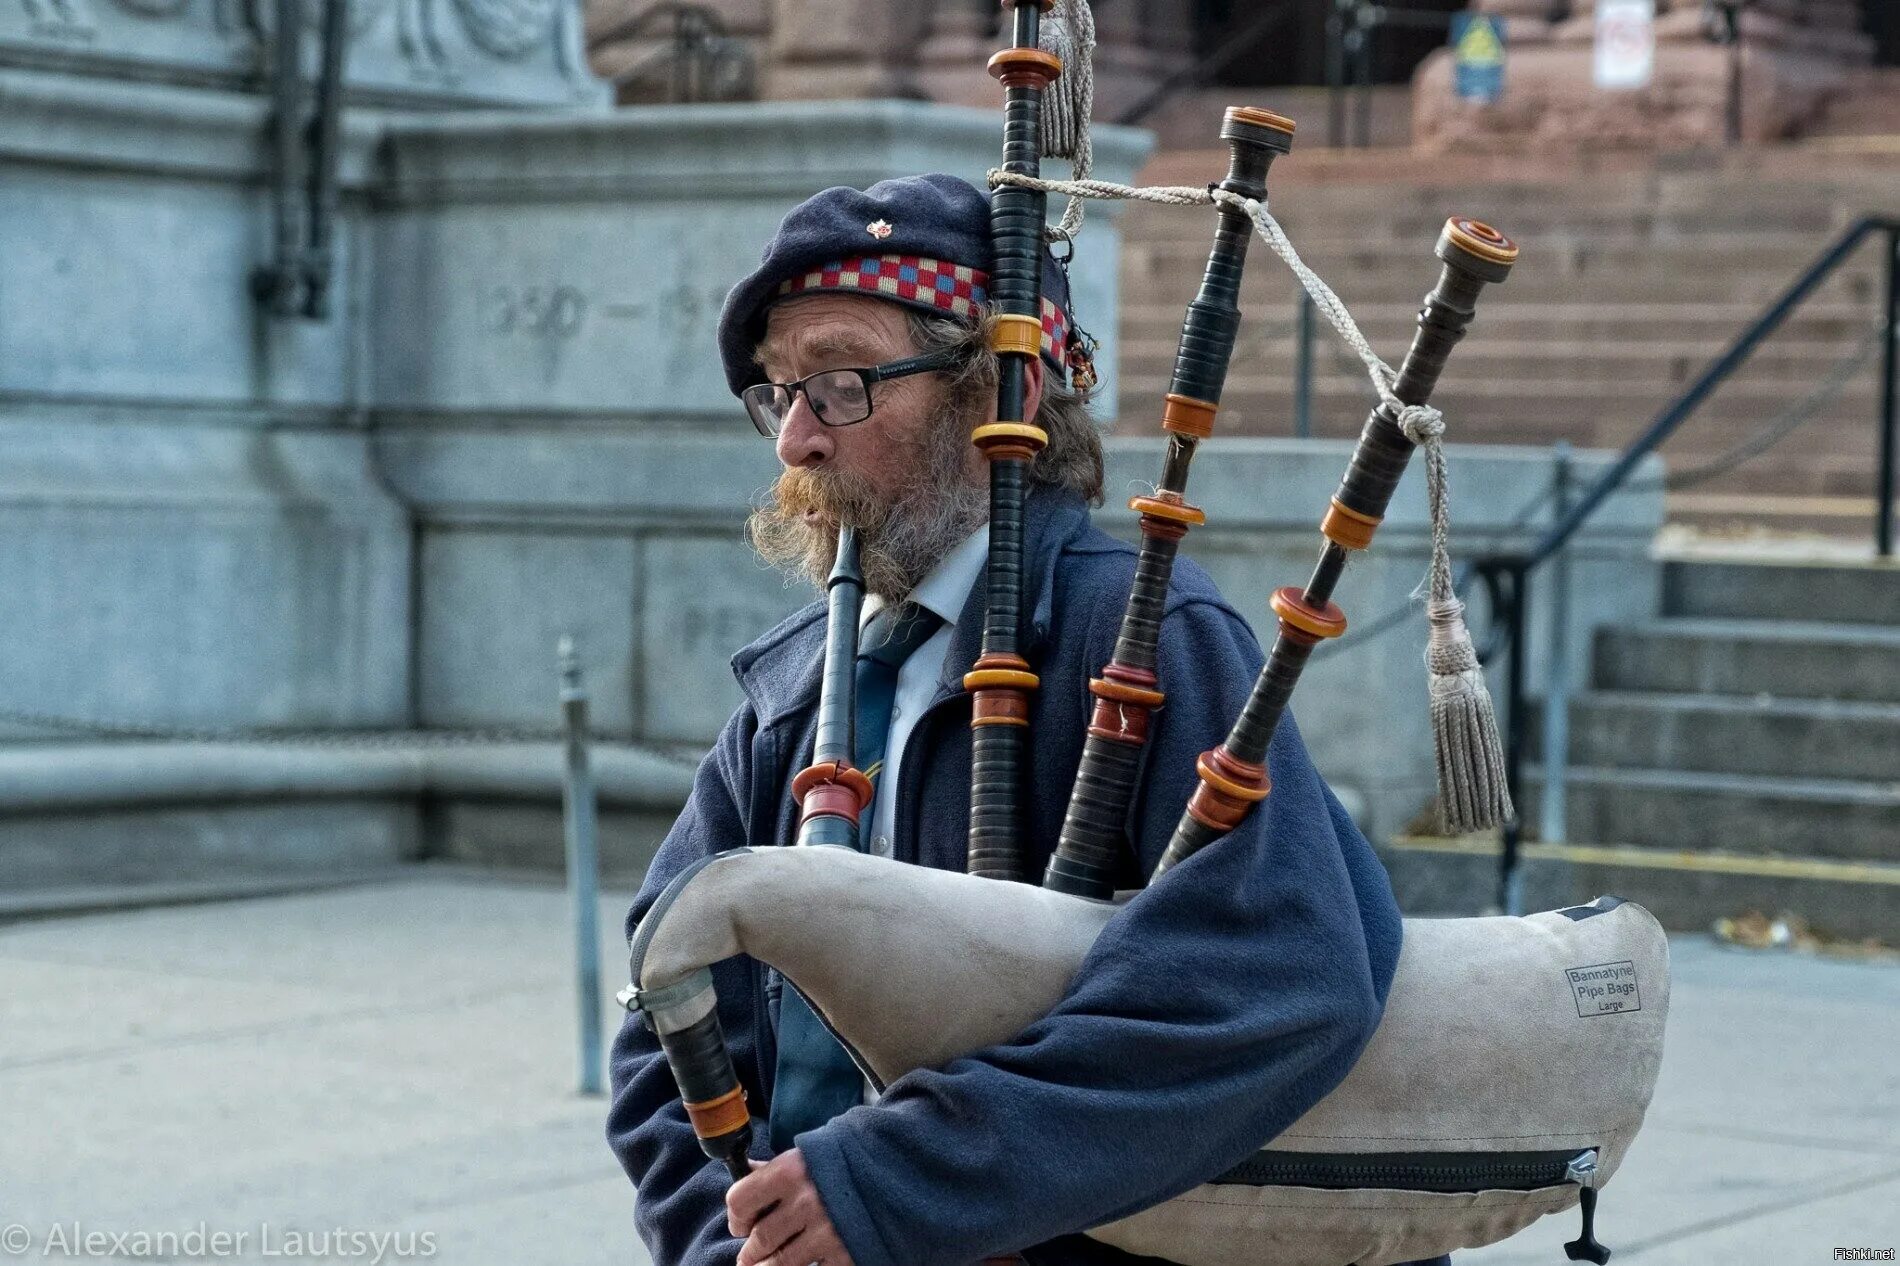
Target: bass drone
point(1516, 1056)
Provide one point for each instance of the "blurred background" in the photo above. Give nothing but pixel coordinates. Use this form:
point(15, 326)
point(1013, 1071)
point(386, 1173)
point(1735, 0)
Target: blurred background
point(356, 353)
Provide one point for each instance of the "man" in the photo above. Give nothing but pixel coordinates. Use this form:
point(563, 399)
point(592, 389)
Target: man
point(1216, 1008)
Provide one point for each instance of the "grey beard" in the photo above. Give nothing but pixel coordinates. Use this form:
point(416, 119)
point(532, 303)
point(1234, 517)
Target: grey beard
point(900, 541)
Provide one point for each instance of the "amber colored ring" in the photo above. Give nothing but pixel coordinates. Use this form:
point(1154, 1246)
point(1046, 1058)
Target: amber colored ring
point(1025, 64)
point(1227, 786)
point(1188, 416)
point(1012, 334)
point(1346, 527)
point(1021, 432)
point(1287, 603)
point(1176, 511)
point(1262, 118)
point(1481, 240)
point(1006, 678)
point(721, 1116)
point(832, 772)
point(1122, 692)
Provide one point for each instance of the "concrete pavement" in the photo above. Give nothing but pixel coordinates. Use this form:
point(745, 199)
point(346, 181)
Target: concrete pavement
point(398, 1060)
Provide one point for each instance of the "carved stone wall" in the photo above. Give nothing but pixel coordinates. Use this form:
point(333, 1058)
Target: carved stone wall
point(401, 52)
point(843, 49)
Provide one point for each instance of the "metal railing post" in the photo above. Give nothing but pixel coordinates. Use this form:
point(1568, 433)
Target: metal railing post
point(580, 818)
point(1510, 892)
point(1336, 74)
point(1552, 803)
point(1889, 401)
point(1303, 367)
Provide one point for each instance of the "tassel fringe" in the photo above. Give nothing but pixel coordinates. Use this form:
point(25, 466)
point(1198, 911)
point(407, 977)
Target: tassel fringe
point(1472, 790)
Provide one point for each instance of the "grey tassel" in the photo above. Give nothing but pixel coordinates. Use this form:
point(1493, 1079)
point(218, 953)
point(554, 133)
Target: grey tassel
point(1472, 791)
point(1069, 33)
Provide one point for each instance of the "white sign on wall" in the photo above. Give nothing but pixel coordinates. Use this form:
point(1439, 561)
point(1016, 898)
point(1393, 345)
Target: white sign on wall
point(1626, 43)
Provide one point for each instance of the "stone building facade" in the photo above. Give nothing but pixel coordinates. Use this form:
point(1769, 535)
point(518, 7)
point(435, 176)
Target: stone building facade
point(1798, 68)
point(1806, 66)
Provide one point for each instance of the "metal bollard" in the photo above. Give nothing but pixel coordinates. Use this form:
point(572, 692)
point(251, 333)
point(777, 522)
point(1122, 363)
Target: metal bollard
point(581, 820)
point(1303, 368)
point(1557, 668)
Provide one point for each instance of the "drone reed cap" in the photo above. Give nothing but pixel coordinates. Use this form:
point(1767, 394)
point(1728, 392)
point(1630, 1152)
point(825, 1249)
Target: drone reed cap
point(1476, 247)
point(1262, 127)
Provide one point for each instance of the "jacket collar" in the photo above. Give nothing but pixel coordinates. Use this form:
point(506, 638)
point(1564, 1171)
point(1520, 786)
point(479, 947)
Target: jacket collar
point(781, 671)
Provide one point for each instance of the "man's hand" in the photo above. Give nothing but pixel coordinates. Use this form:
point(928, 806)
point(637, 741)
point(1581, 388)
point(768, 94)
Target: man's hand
point(778, 1209)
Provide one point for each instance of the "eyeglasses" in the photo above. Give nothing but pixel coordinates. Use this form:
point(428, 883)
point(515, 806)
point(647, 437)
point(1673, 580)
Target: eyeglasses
point(838, 397)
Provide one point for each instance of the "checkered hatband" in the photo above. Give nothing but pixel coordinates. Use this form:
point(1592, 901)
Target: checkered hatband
point(955, 289)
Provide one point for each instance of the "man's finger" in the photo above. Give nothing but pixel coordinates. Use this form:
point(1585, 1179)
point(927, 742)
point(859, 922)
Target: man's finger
point(749, 1198)
point(777, 1227)
point(803, 1249)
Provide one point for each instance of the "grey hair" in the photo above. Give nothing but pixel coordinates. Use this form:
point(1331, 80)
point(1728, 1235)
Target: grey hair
point(1073, 458)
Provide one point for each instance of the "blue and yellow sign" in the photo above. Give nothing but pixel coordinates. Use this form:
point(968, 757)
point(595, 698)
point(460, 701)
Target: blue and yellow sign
point(1477, 42)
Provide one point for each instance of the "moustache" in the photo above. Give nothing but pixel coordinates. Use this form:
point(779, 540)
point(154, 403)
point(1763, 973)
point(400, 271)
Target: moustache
point(831, 495)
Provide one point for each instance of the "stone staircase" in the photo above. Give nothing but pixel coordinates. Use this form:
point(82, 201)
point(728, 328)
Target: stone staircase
point(1743, 749)
point(1868, 105)
point(1636, 272)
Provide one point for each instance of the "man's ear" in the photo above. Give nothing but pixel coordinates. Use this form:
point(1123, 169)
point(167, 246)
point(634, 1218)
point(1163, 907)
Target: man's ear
point(1032, 388)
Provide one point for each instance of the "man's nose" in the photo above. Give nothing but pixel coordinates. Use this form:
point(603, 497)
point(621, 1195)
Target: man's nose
point(802, 439)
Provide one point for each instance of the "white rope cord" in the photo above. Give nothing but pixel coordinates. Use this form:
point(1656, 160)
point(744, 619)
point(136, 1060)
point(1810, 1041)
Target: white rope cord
point(1069, 106)
point(1330, 304)
point(1473, 792)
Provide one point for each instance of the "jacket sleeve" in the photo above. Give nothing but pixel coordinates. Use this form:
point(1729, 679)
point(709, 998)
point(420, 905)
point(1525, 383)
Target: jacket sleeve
point(1213, 1011)
point(680, 1211)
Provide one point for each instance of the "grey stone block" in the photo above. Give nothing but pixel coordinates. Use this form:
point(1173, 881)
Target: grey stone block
point(169, 844)
point(579, 263)
point(495, 603)
point(199, 576)
point(704, 599)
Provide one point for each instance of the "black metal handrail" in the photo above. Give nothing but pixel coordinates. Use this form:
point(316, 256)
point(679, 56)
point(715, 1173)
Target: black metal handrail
point(1506, 575)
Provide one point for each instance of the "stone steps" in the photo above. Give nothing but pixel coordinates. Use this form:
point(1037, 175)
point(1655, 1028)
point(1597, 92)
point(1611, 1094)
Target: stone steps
point(1868, 105)
point(1769, 735)
point(1671, 364)
point(1670, 809)
point(1786, 659)
point(1637, 273)
point(1824, 591)
point(1686, 891)
point(1742, 750)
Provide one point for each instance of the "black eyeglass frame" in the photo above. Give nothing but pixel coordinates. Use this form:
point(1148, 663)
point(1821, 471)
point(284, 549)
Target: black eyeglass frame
point(769, 426)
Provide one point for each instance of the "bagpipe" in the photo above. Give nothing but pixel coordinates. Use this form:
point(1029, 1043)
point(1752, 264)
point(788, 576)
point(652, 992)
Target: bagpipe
point(1516, 1056)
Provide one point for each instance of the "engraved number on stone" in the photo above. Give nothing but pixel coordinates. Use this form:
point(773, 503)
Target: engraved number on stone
point(546, 311)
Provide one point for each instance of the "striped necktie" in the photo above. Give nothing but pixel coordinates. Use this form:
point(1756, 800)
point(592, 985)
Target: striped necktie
point(816, 1079)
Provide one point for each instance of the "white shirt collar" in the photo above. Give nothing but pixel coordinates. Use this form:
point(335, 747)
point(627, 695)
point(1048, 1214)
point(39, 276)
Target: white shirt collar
point(948, 586)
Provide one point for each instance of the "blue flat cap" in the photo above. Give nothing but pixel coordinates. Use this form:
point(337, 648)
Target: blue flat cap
point(922, 241)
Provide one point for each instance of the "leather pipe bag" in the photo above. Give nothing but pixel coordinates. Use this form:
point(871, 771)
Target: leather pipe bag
point(1511, 1070)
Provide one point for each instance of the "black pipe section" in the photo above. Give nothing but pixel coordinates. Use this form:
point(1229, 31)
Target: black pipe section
point(1094, 834)
point(1234, 775)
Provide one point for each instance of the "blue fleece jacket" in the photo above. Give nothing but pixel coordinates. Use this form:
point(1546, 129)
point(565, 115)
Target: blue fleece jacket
point(1215, 1009)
